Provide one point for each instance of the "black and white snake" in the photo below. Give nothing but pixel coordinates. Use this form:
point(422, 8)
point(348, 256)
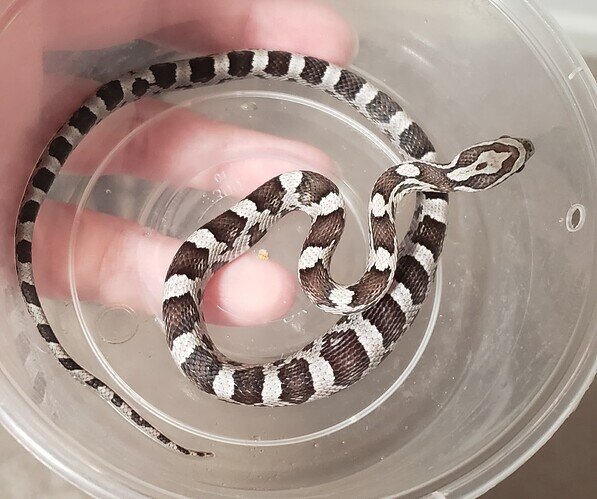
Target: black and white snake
point(375, 311)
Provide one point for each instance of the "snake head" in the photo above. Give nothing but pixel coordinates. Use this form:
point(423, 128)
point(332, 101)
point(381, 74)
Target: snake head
point(528, 146)
point(488, 164)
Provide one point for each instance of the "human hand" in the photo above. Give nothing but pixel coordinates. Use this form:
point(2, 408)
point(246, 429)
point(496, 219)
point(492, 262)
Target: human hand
point(109, 270)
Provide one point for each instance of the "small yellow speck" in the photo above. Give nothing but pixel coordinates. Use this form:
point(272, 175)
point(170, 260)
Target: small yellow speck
point(263, 254)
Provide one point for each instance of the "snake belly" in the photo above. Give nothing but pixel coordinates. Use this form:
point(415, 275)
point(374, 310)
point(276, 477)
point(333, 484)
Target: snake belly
point(344, 354)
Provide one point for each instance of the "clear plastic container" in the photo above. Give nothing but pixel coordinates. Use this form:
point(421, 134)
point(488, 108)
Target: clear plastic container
point(500, 355)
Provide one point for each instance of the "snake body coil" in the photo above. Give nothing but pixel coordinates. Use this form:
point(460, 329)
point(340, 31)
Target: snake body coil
point(375, 311)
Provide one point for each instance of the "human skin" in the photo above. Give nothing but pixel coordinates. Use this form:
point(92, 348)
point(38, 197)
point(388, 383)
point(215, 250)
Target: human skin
point(115, 260)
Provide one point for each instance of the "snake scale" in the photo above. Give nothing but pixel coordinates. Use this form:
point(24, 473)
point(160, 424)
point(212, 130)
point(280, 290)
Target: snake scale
point(375, 311)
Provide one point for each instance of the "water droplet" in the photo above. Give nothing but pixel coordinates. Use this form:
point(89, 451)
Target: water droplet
point(249, 106)
point(108, 191)
point(315, 445)
point(117, 324)
point(298, 327)
point(219, 177)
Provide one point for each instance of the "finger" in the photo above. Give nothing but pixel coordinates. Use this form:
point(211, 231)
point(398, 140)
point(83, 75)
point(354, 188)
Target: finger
point(184, 148)
point(293, 25)
point(20, 107)
point(119, 262)
point(201, 25)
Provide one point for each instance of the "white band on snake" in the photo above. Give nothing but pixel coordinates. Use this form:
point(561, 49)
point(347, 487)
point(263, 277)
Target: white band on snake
point(375, 311)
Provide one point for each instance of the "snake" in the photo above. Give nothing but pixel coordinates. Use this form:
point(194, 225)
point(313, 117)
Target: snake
point(374, 312)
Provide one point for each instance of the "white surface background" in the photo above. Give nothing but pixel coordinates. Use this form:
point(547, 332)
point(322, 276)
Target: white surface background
point(579, 20)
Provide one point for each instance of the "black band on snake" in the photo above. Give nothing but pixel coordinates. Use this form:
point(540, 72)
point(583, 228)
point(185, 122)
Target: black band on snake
point(375, 311)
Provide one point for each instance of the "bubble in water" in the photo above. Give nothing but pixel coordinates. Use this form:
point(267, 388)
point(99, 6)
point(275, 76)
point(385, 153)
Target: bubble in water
point(108, 191)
